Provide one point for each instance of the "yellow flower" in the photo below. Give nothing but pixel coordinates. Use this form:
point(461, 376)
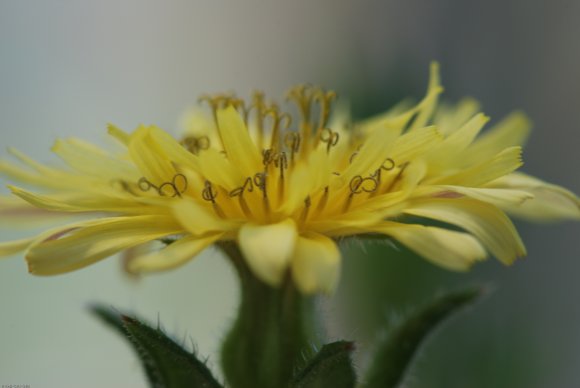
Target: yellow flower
point(286, 187)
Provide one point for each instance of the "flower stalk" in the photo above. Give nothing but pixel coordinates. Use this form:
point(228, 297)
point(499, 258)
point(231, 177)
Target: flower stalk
point(273, 328)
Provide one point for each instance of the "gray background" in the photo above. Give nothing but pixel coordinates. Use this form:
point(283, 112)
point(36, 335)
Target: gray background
point(69, 67)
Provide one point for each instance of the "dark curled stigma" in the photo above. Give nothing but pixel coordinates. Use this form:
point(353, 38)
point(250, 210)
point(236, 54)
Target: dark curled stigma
point(195, 144)
point(292, 141)
point(329, 137)
point(174, 188)
point(239, 191)
point(209, 193)
point(358, 184)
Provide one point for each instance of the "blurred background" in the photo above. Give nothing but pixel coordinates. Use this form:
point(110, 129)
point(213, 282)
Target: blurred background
point(69, 67)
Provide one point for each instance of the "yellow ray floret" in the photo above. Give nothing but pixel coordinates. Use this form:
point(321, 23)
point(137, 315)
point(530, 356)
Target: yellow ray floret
point(285, 187)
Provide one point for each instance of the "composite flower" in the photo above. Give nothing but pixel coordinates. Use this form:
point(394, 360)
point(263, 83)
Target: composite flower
point(286, 187)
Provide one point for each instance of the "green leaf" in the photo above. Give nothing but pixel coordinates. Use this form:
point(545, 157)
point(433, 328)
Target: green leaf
point(395, 353)
point(331, 367)
point(166, 363)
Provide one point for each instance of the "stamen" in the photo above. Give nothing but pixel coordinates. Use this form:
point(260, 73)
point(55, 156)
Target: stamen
point(222, 101)
point(239, 191)
point(307, 204)
point(174, 188)
point(390, 165)
point(279, 120)
point(329, 137)
point(215, 102)
point(124, 185)
point(195, 144)
point(323, 200)
point(325, 101)
point(305, 97)
point(210, 194)
point(351, 158)
point(358, 184)
point(402, 167)
point(292, 142)
point(302, 95)
point(248, 185)
point(259, 107)
point(377, 174)
point(279, 160)
point(260, 182)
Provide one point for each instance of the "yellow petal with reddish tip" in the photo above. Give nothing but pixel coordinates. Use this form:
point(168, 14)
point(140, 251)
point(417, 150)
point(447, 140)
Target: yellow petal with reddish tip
point(90, 244)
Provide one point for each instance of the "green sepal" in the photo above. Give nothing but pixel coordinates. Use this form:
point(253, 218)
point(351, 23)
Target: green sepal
point(166, 363)
point(330, 367)
point(395, 352)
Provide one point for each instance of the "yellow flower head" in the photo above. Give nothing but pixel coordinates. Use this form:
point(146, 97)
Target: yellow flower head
point(285, 187)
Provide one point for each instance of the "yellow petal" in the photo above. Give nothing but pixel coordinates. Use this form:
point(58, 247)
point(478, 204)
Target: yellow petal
point(486, 222)
point(44, 201)
point(15, 212)
point(32, 163)
point(268, 249)
point(174, 255)
point(305, 180)
point(90, 244)
point(501, 164)
point(239, 147)
point(90, 160)
point(316, 264)
point(428, 105)
point(12, 247)
point(495, 196)
point(122, 136)
point(452, 250)
point(400, 114)
point(464, 136)
point(84, 202)
point(172, 150)
point(148, 158)
point(416, 143)
point(216, 168)
point(198, 220)
point(43, 179)
point(549, 203)
point(449, 118)
point(372, 155)
point(511, 131)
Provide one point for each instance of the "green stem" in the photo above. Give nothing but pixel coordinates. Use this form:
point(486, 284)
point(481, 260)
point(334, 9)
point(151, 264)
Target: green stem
point(267, 340)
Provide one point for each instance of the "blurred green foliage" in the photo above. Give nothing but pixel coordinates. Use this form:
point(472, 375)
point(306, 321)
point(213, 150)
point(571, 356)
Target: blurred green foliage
point(481, 350)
